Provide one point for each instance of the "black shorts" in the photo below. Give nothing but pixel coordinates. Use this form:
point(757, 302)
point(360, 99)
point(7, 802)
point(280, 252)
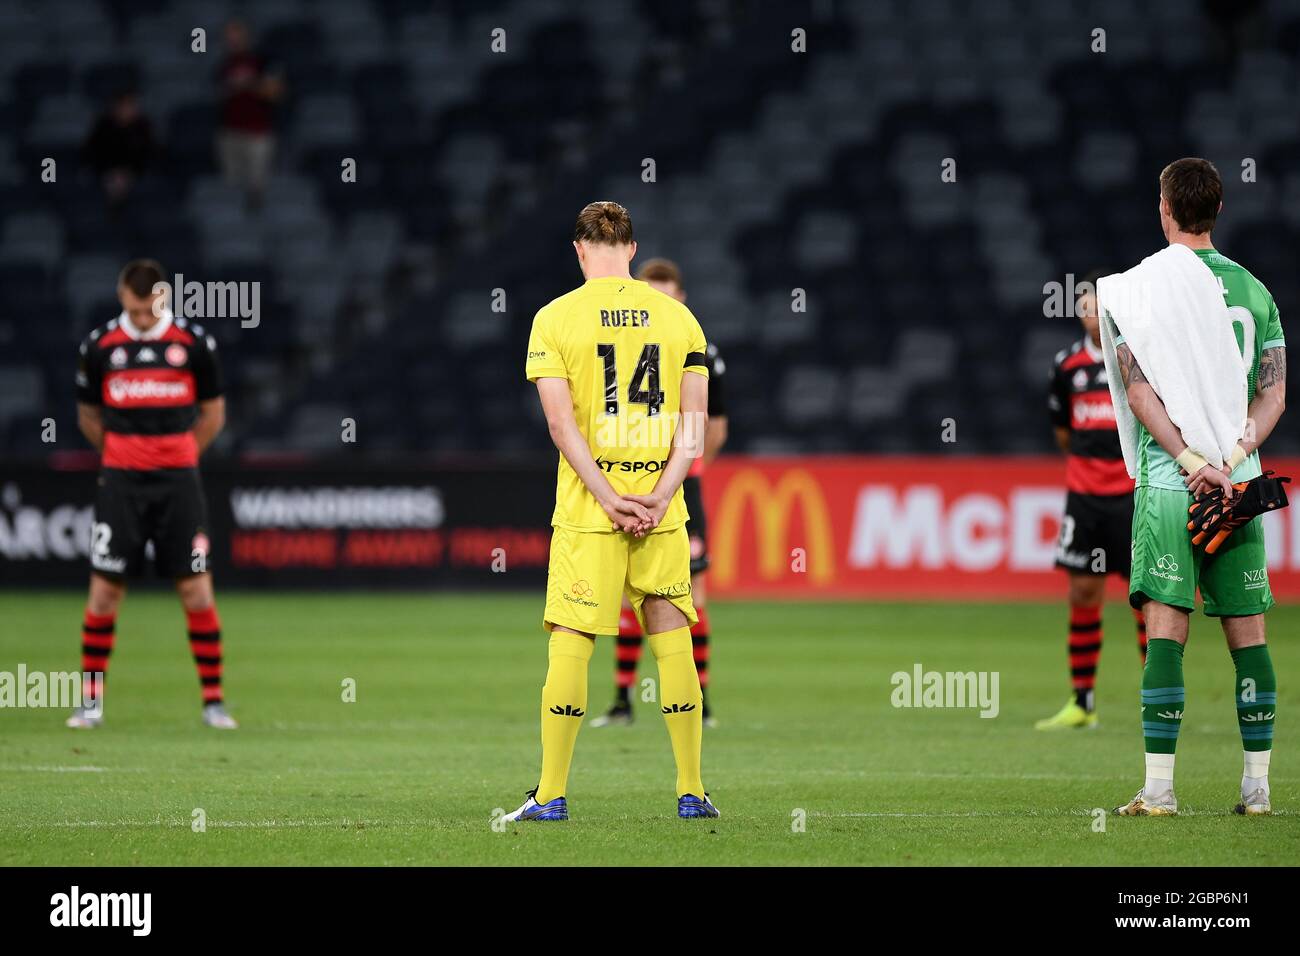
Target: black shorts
point(133, 508)
point(697, 528)
point(1096, 534)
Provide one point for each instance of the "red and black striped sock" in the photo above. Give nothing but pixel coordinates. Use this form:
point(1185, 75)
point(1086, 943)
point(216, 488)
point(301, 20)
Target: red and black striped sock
point(1085, 651)
point(205, 644)
point(700, 645)
point(97, 636)
point(627, 653)
point(1142, 634)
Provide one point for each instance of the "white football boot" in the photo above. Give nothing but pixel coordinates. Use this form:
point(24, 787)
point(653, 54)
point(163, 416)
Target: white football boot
point(1254, 804)
point(85, 718)
point(1163, 805)
point(215, 715)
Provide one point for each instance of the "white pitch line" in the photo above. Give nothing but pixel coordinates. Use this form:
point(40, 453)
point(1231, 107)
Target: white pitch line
point(426, 824)
point(30, 768)
point(1024, 813)
point(219, 824)
point(971, 813)
point(941, 775)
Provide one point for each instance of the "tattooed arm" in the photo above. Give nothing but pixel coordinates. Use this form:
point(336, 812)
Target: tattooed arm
point(1146, 404)
point(1270, 398)
point(1150, 411)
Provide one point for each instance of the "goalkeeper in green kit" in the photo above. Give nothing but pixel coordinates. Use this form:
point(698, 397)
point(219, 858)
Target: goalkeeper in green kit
point(1197, 358)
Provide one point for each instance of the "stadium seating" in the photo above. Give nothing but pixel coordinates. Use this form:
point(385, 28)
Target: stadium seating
point(774, 172)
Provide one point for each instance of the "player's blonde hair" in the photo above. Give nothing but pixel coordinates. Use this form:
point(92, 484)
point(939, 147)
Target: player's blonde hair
point(605, 223)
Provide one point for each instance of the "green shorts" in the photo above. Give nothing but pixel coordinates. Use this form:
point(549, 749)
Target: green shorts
point(1166, 568)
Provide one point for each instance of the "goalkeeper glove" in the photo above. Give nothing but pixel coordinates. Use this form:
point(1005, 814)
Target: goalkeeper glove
point(1212, 519)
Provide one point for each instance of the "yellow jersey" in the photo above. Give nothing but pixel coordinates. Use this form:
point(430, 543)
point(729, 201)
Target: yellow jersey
point(623, 347)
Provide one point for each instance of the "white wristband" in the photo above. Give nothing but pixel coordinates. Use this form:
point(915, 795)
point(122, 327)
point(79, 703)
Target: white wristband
point(1237, 457)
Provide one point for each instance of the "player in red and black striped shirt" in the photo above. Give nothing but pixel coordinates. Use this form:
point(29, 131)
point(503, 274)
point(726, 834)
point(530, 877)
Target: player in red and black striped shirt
point(149, 400)
point(1097, 527)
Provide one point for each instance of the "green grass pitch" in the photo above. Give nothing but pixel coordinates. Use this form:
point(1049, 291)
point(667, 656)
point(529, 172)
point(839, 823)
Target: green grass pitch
point(444, 731)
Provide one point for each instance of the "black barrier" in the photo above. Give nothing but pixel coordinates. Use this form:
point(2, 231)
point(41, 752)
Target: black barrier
point(318, 526)
point(124, 905)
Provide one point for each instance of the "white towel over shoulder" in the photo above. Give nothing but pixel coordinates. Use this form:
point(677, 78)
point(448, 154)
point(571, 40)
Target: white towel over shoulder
point(1170, 311)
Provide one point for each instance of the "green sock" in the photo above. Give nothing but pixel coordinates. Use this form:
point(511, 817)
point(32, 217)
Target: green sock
point(1162, 695)
point(1256, 695)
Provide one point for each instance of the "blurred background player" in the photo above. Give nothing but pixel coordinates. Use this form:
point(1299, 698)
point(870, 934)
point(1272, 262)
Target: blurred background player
point(664, 275)
point(1097, 525)
point(149, 401)
point(621, 374)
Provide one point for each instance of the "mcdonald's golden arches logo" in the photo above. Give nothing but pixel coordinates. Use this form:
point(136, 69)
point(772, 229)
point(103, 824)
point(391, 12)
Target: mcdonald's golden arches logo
point(773, 509)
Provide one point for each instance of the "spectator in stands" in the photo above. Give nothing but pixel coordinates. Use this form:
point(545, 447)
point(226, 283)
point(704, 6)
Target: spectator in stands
point(249, 89)
point(120, 147)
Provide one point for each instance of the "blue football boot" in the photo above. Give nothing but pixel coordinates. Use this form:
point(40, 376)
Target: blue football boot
point(556, 809)
point(690, 807)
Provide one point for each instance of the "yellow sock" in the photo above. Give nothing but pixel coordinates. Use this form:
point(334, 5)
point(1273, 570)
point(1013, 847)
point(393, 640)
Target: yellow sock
point(680, 699)
point(564, 701)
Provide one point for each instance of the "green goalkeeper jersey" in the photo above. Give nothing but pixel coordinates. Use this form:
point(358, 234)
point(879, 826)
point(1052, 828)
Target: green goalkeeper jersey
point(1257, 326)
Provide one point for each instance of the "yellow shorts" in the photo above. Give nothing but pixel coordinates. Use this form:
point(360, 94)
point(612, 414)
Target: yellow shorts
point(590, 570)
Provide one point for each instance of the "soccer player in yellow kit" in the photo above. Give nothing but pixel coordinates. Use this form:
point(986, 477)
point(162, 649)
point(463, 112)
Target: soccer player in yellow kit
point(622, 375)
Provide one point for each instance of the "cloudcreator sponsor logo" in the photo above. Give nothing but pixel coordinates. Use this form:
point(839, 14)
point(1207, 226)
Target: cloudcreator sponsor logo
point(1166, 567)
point(581, 591)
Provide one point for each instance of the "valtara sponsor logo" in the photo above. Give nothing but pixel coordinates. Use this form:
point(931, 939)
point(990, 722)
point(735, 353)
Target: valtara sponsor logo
point(1084, 412)
point(122, 389)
